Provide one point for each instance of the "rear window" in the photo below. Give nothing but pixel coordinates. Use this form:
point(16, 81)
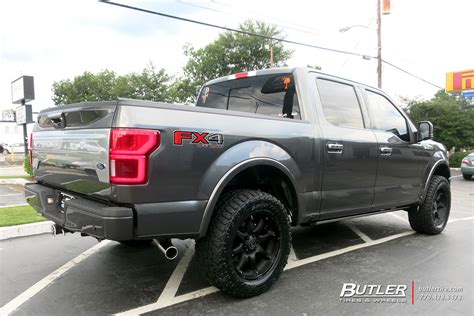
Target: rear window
point(75, 118)
point(272, 95)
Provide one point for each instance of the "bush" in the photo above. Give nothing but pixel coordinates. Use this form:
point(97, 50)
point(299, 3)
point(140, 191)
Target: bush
point(27, 166)
point(456, 158)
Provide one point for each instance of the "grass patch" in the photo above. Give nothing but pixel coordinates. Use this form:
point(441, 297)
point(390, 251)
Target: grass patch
point(17, 215)
point(16, 177)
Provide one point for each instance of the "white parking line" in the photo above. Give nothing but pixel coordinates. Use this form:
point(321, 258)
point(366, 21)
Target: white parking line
point(13, 205)
point(460, 219)
point(299, 263)
point(292, 255)
point(291, 265)
point(10, 194)
point(398, 217)
point(11, 306)
point(167, 296)
point(356, 230)
point(462, 212)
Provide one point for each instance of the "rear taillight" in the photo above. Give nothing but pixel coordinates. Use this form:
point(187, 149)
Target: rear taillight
point(129, 152)
point(30, 149)
point(466, 162)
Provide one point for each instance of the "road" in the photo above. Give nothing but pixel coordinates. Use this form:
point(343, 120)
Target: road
point(45, 275)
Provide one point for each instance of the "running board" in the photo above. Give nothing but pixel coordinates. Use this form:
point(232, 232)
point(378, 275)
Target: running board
point(325, 221)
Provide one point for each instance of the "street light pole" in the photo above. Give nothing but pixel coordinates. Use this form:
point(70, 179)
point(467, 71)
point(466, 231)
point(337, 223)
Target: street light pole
point(379, 45)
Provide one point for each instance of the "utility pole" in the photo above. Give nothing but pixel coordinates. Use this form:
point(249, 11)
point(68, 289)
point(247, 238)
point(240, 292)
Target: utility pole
point(272, 64)
point(379, 45)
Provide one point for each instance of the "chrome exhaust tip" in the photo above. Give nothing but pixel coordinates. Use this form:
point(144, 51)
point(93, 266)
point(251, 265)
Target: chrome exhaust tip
point(167, 248)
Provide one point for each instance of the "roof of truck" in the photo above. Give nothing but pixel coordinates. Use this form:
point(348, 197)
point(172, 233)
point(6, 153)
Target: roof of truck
point(278, 70)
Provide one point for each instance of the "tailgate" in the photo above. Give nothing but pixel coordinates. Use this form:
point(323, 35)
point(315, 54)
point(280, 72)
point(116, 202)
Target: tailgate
point(71, 147)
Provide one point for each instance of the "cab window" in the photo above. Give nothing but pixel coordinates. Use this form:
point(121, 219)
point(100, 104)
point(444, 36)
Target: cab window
point(385, 116)
point(340, 103)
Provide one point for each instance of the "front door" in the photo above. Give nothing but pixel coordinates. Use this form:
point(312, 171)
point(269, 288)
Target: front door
point(400, 167)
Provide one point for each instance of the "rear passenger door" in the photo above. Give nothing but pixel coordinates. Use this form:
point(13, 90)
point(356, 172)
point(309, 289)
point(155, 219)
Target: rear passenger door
point(349, 150)
point(400, 167)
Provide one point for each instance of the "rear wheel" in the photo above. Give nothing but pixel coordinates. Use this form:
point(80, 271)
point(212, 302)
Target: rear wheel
point(432, 216)
point(467, 176)
point(247, 245)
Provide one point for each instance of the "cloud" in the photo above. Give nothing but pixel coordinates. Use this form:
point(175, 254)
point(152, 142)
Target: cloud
point(57, 39)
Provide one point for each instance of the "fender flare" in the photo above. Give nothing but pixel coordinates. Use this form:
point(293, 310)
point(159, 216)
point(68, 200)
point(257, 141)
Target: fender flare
point(228, 176)
point(430, 175)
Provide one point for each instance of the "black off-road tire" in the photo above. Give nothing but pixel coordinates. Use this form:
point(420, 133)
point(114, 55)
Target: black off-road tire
point(235, 217)
point(467, 176)
point(137, 243)
point(432, 216)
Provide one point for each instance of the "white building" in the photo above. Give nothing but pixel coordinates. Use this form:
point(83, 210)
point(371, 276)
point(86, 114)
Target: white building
point(11, 132)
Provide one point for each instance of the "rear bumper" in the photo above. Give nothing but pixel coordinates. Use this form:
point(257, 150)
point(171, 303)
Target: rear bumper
point(81, 215)
point(466, 169)
point(180, 219)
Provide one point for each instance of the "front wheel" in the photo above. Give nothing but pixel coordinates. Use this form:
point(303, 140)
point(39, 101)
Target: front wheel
point(467, 176)
point(247, 245)
point(432, 216)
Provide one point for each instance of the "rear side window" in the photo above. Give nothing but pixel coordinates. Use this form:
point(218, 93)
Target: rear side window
point(272, 95)
point(385, 117)
point(340, 104)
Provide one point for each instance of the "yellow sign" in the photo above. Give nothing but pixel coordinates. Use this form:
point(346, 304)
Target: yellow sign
point(460, 80)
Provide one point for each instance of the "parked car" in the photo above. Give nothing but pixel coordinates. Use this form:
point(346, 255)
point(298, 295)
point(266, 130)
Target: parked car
point(260, 152)
point(467, 166)
point(16, 148)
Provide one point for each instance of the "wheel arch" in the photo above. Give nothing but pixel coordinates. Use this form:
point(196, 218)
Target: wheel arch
point(252, 169)
point(440, 168)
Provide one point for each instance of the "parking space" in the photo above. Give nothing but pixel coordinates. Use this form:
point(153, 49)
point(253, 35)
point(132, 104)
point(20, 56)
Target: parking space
point(11, 195)
point(68, 274)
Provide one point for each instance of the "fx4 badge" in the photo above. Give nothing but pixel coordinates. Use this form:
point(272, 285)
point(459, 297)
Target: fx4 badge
point(203, 139)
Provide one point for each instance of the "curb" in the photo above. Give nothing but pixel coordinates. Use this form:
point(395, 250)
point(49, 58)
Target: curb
point(25, 230)
point(15, 181)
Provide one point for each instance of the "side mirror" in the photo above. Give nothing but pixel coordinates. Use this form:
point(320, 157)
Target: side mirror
point(425, 130)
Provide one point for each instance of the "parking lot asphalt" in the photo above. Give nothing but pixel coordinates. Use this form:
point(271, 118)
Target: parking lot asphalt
point(11, 195)
point(63, 275)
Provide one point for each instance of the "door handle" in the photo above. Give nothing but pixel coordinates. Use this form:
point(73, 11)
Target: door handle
point(385, 151)
point(335, 148)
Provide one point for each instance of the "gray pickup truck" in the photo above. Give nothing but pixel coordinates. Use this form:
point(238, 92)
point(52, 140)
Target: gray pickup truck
point(260, 152)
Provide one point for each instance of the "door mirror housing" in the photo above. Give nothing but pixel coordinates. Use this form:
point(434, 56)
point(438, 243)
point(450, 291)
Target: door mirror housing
point(425, 130)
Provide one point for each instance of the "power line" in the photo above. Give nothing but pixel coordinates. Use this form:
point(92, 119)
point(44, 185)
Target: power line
point(282, 40)
point(411, 74)
point(287, 25)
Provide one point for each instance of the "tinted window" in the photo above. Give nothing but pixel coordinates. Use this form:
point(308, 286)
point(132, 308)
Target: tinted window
point(385, 117)
point(340, 104)
point(272, 95)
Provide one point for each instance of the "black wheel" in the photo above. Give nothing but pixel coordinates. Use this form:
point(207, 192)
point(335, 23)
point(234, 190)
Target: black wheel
point(247, 244)
point(6, 152)
point(467, 176)
point(137, 243)
point(432, 216)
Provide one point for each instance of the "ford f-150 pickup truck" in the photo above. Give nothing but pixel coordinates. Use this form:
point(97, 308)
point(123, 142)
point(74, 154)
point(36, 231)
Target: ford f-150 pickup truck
point(260, 152)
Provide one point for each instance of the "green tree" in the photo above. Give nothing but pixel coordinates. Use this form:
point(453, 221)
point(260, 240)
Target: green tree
point(151, 84)
point(452, 119)
point(230, 53)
